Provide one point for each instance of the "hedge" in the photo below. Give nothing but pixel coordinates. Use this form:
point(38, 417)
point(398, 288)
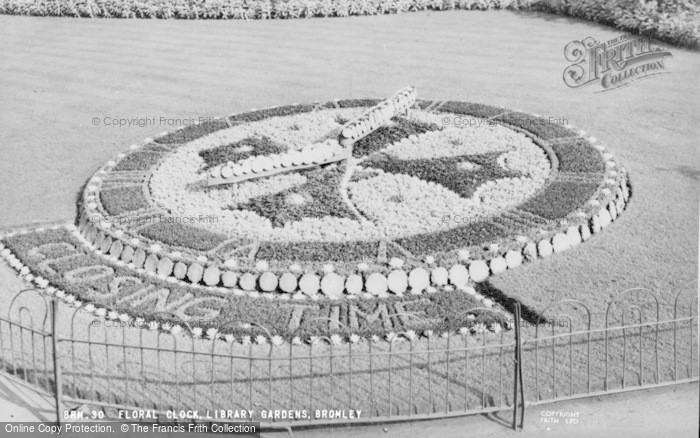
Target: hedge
point(674, 21)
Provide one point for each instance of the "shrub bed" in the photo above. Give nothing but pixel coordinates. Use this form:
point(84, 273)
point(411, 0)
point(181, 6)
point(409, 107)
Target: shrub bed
point(673, 21)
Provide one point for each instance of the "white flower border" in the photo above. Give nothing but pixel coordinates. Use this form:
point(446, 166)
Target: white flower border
point(212, 333)
point(397, 281)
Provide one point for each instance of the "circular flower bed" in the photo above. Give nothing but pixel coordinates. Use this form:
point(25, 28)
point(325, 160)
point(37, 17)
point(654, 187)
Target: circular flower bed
point(425, 209)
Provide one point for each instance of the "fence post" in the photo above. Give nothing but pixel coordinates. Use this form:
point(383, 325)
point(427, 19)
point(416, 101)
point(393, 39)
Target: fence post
point(518, 392)
point(58, 381)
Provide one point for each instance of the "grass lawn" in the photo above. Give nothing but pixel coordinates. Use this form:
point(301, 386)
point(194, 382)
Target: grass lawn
point(58, 74)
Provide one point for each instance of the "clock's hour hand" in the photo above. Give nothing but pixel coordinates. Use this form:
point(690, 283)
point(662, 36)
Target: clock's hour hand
point(317, 154)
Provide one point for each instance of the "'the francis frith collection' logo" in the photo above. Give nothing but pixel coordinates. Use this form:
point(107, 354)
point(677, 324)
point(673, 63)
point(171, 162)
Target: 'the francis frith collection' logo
point(613, 63)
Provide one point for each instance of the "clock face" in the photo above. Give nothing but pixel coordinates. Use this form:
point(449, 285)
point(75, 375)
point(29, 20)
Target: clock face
point(427, 204)
point(444, 180)
point(413, 176)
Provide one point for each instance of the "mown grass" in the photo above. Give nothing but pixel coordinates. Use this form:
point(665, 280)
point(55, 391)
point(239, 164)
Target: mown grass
point(654, 244)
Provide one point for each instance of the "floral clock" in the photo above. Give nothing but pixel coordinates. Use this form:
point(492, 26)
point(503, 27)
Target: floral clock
point(268, 217)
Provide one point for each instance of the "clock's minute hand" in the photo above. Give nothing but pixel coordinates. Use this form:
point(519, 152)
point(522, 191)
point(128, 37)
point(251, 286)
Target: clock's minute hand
point(317, 154)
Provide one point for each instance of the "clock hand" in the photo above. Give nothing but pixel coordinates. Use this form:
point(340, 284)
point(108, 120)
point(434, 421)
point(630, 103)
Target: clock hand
point(317, 154)
point(268, 165)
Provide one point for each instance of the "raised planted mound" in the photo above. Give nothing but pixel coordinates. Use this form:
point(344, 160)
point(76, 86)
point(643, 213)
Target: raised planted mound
point(394, 239)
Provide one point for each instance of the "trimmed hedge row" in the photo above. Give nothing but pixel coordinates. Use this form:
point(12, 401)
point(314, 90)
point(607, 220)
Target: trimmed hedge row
point(240, 9)
point(673, 21)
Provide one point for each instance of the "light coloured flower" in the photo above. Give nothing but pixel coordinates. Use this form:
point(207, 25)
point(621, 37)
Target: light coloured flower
point(478, 328)
point(396, 262)
point(211, 333)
